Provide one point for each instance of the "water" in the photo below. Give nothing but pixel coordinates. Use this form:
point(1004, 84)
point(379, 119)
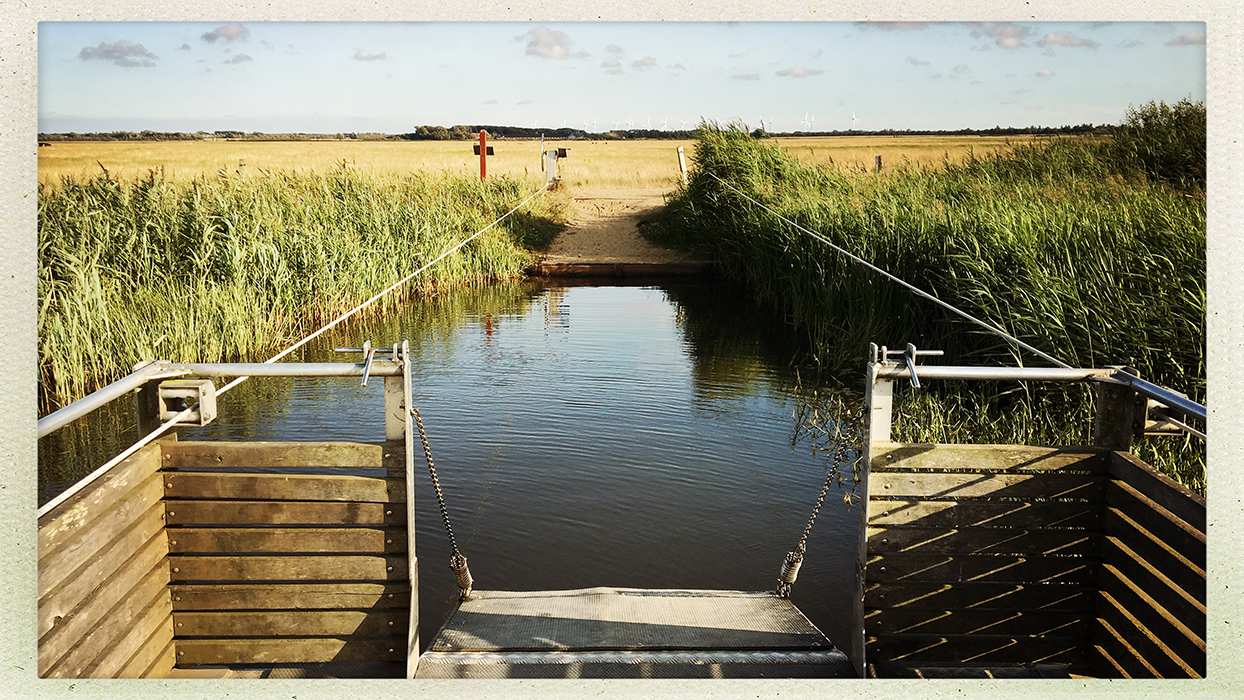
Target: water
point(583, 435)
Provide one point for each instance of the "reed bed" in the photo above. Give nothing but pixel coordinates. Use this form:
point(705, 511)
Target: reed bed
point(228, 267)
point(1064, 244)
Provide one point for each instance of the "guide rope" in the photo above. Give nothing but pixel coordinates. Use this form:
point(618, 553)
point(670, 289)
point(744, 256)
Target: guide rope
point(457, 562)
point(912, 287)
point(163, 427)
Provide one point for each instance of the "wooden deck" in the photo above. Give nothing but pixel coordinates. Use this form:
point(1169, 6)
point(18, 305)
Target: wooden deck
point(630, 633)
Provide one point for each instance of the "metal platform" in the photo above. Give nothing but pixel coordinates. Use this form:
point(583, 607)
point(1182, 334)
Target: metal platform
point(630, 633)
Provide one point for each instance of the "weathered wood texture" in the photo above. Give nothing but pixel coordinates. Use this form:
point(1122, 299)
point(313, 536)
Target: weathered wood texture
point(1151, 613)
point(982, 553)
point(270, 563)
point(1016, 556)
point(104, 609)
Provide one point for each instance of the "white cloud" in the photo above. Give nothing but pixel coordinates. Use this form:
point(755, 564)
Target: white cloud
point(614, 48)
point(916, 62)
point(1065, 38)
point(799, 72)
point(123, 53)
point(360, 56)
point(1045, 73)
point(184, 47)
point(1189, 39)
point(240, 58)
point(961, 68)
point(747, 76)
point(524, 102)
point(610, 63)
point(228, 32)
point(645, 62)
point(1007, 35)
point(490, 102)
point(549, 43)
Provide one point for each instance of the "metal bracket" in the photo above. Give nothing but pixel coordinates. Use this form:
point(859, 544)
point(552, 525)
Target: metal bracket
point(369, 354)
point(176, 395)
point(909, 356)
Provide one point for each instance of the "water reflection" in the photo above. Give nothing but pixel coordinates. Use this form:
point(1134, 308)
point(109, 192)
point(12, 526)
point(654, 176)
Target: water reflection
point(648, 444)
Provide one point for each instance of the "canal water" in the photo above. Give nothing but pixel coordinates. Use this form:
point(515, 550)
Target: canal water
point(630, 436)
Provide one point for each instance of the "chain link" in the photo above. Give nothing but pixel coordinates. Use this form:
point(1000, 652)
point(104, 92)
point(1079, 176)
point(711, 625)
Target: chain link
point(794, 559)
point(436, 483)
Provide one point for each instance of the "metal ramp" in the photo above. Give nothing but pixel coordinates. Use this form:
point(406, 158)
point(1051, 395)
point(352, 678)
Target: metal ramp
point(630, 633)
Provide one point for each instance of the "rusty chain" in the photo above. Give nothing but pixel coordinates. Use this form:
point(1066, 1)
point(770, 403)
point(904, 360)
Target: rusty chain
point(457, 562)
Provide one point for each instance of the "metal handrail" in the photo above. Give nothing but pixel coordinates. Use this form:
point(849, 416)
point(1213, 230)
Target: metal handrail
point(163, 369)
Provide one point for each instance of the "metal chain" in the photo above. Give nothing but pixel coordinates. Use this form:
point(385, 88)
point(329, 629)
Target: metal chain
point(794, 559)
point(457, 562)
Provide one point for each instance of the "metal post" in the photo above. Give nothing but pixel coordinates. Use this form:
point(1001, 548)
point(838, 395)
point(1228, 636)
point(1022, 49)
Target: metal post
point(550, 166)
point(412, 632)
point(682, 164)
point(878, 400)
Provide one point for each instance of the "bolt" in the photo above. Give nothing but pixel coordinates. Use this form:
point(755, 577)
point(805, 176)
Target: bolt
point(172, 515)
point(173, 543)
point(176, 570)
point(390, 568)
point(176, 597)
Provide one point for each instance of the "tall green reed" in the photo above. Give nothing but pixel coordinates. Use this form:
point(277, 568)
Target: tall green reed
point(1055, 243)
point(231, 267)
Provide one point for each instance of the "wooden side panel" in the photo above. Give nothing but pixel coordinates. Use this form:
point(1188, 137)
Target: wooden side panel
point(286, 566)
point(102, 585)
point(226, 455)
point(1151, 620)
point(982, 554)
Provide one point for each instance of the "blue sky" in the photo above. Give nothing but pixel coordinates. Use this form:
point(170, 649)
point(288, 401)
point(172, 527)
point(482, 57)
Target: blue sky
point(390, 76)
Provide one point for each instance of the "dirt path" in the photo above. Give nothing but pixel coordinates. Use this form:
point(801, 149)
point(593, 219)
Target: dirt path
point(603, 228)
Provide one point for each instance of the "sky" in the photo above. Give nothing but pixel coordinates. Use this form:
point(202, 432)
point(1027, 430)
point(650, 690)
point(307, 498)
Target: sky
point(390, 77)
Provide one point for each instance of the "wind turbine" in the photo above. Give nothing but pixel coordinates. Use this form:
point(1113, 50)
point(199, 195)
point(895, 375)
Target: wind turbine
point(811, 121)
point(629, 123)
point(648, 124)
point(805, 121)
point(853, 120)
point(563, 126)
point(663, 120)
point(615, 124)
point(682, 123)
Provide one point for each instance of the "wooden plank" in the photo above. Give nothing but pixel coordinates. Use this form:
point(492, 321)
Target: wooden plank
point(1120, 654)
point(1185, 604)
point(98, 654)
point(68, 612)
point(904, 620)
point(79, 513)
point(1083, 514)
point(1144, 645)
point(1186, 568)
point(340, 540)
point(916, 649)
point(1166, 635)
point(983, 595)
point(283, 487)
point(162, 667)
point(287, 568)
point(289, 650)
point(394, 460)
point(89, 574)
point(116, 597)
point(155, 657)
point(988, 458)
point(220, 454)
point(1181, 502)
point(295, 596)
point(948, 485)
point(280, 623)
point(982, 540)
point(60, 561)
point(1158, 521)
point(112, 626)
point(283, 513)
point(981, 567)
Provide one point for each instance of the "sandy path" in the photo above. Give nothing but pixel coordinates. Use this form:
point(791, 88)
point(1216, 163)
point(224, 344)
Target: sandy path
point(603, 228)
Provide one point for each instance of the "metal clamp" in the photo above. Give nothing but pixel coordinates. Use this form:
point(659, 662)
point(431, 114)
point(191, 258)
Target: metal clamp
point(369, 354)
point(909, 356)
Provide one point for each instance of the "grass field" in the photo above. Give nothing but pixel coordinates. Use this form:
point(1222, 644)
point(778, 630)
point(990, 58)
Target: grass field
point(621, 164)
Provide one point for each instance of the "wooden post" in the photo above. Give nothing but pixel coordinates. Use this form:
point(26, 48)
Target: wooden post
point(1120, 416)
point(403, 385)
point(682, 164)
point(242, 168)
point(878, 163)
point(483, 154)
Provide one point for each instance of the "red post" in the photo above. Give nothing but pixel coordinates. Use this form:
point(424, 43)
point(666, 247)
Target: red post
point(483, 155)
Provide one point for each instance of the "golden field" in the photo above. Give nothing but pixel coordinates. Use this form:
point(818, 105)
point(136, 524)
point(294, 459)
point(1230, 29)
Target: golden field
point(610, 164)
